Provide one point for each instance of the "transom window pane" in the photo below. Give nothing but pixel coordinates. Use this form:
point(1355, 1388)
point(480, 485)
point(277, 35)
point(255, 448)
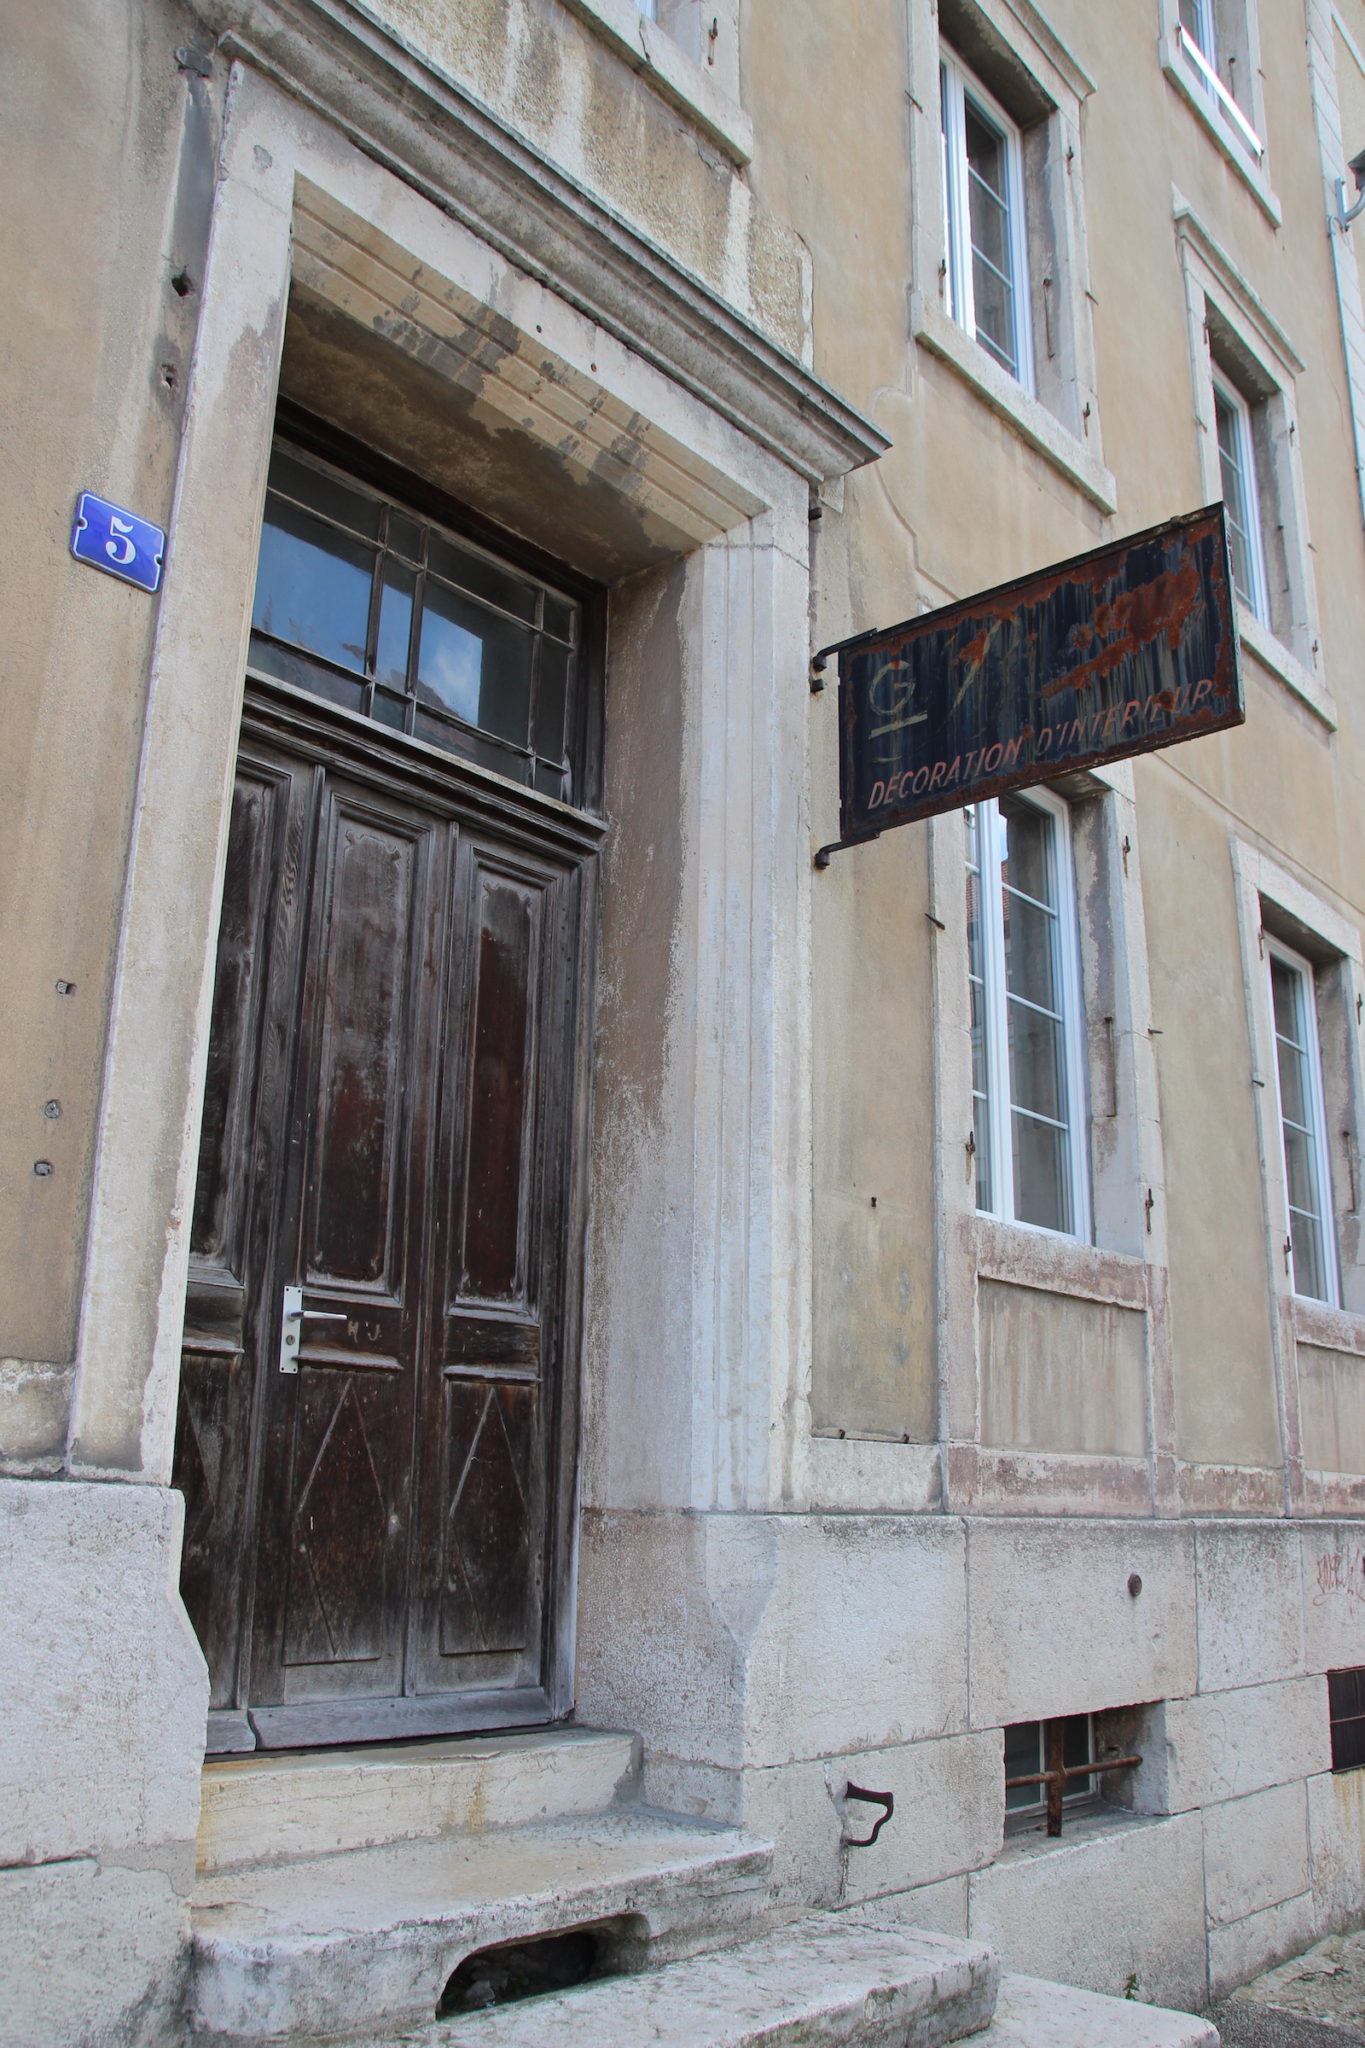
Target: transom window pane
point(1312, 1250)
point(365, 604)
point(1027, 1061)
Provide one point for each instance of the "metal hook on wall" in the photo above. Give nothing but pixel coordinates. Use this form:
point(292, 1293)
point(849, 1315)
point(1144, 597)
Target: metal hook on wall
point(882, 1799)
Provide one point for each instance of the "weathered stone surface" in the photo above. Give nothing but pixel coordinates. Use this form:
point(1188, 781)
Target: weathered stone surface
point(723, 1610)
point(265, 1808)
point(1250, 1603)
point(336, 1944)
point(1262, 1939)
point(1333, 1596)
point(832, 1978)
point(949, 1810)
point(1336, 1832)
point(1255, 1852)
point(1224, 1744)
point(1032, 2014)
point(1101, 1647)
point(90, 1957)
point(1324, 1987)
point(1111, 1903)
point(104, 1684)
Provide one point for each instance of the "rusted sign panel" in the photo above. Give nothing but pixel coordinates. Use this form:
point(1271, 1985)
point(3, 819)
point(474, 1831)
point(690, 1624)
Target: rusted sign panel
point(1117, 652)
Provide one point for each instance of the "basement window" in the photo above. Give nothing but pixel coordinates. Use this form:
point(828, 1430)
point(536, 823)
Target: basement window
point(1346, 1710)
point(1054, 1768)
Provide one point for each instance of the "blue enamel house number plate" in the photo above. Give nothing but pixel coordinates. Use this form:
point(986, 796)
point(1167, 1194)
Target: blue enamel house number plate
point(117, 541)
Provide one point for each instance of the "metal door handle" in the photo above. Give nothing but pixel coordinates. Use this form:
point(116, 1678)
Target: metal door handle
point(291, 1320)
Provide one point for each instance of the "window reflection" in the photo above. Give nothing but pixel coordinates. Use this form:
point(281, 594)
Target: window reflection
point(362, 603)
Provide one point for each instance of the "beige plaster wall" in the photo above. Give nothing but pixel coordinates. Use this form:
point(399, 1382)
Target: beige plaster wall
point(95, 343)
point(959, 503)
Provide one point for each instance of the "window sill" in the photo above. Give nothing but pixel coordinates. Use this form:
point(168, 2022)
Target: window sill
point(1333, 1329)
point(1273, 656)
point(686, 86)
point(935, 331)
point(1251, 173)
point(1023, 1257)
point(1022, 1843)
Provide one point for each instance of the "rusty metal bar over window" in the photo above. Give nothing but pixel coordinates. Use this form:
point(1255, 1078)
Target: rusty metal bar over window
point(1059, 1773)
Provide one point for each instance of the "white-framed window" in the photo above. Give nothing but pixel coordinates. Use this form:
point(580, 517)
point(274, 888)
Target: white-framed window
point(1312, 1251)
point(1233, 430)
point(1028, 1038)
point(999, 284)
point(1214, 43)
point(984, 233)
point(1244, 368)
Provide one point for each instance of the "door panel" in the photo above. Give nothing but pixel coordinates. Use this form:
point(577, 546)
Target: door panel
point(489, 1582)
point(374, 1533)
point(213, 1437)
point(501, 1131)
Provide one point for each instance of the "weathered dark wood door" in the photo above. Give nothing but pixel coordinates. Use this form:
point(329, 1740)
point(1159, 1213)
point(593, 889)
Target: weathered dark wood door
point(377, 1510)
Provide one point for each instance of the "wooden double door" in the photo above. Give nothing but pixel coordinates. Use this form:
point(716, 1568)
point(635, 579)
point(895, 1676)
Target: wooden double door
point(377, 1420)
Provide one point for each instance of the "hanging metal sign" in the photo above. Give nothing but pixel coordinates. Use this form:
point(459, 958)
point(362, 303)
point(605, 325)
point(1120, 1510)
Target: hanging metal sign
point(1117, 652)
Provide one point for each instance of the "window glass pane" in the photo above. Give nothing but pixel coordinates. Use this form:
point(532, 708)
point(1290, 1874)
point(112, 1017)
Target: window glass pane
point(1307, 1256)
point(1076, 1745)
point(1023, 1756)
point(395, 625)
point(1234, 461)
point(1194, 20)
point(1293, 1069)
point(1028, 850)
point(313, 586)
point(1031, 952)
point(475, 664)
point(552, 690)
point(323, 491)
point(1042, 1193)
point(483, 578)
point(559, 616)
point(1037, 1051)
point(389, 710)
point(1301, 1128)
point(992, 264)
point(405, 536)
point(976, 972)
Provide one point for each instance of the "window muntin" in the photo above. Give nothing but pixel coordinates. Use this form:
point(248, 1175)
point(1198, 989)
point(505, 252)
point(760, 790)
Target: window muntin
point(1241, 495)
point(1303, 1125)
point(392, 616)
point(984, 230)
point(1027, 1040)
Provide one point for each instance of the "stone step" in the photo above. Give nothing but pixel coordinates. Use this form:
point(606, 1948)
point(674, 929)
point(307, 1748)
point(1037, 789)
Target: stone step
point(831, 1978)
point(1031, 2013)
point(262, 1808)
point(338, 1947)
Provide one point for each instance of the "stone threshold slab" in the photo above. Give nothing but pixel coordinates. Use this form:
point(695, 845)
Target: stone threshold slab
point(1031, 2013)
point(831, 1978)
point(336, 1946)
point(270, 1807)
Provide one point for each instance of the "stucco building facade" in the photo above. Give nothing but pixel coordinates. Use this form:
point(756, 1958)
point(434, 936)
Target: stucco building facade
point(774, 1326)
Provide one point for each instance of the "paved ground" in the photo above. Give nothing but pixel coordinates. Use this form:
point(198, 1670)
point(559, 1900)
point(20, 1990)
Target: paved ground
point(1317, 2000)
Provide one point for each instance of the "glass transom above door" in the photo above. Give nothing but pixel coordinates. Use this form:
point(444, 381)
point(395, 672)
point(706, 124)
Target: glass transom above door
point(361, 602)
